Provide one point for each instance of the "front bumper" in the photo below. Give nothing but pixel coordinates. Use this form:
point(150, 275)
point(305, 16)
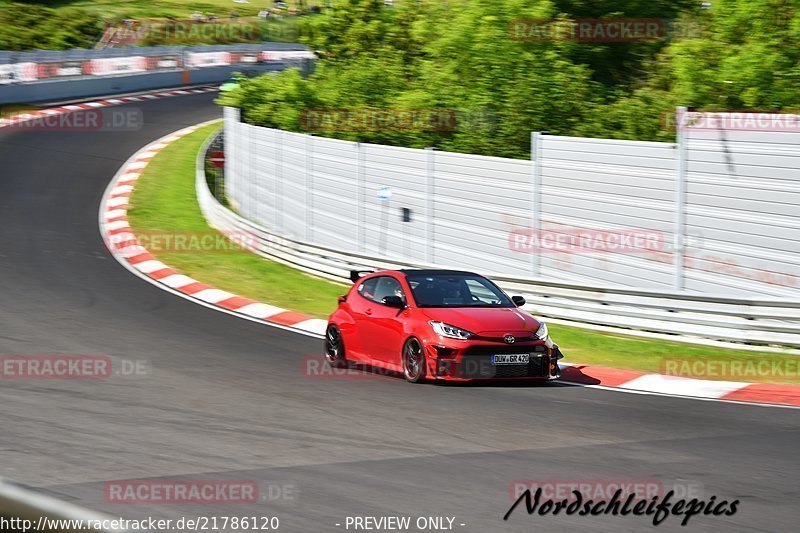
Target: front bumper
point(469, 360)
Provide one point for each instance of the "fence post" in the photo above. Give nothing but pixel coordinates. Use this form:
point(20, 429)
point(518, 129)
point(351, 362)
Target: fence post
point(218, 145)
point(680, 199)
point(233, 163)
point(230, 130)
point(430, 207)
point(361, 180)
point(536, 200)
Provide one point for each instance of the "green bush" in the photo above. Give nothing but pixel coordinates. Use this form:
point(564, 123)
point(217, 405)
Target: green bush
point(739, 54)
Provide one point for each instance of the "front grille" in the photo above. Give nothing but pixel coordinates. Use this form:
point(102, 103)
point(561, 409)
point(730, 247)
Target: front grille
point(505, 349)
point(480, 366)
point(518, 339)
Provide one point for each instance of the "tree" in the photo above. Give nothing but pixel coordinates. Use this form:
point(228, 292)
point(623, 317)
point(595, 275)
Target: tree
point(459, 55)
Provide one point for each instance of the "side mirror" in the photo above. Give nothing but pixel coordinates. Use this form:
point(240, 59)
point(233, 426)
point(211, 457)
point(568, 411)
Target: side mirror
point(393, 301)
point(519, 301)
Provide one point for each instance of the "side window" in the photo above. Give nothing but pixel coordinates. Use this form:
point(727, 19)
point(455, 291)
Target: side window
point(376, 289)
point(388, 286)
point(481, 292)
point(367, 288)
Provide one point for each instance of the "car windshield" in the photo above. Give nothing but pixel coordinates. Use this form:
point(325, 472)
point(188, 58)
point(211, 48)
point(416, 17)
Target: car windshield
point(455, 290)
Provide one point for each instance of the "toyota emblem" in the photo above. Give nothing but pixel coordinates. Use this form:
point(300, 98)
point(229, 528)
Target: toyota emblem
point(509, 339)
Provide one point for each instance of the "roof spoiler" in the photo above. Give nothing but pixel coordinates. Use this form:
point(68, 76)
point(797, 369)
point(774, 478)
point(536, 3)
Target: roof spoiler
point(356, 274)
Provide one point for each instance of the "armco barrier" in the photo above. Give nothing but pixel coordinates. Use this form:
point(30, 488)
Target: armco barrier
point(58, 75)
point(759, 321)
point(42, 512)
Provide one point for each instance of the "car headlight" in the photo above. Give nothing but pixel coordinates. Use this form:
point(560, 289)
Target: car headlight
point(446, 330)
point(541, 333)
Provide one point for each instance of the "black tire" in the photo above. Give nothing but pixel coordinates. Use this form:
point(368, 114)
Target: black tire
point(413, 361)
point(334, 347)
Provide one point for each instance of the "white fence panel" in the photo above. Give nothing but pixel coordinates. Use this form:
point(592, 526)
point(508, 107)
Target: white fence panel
point(609, 186)
point(334, 193)
point(475, 198)
point(743, 197)
point(732, 195)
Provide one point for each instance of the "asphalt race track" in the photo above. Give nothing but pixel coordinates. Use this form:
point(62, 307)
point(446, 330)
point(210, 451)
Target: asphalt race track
point(224, 398)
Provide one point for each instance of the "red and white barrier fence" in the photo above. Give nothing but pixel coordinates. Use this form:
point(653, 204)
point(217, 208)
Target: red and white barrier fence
point(18, 72)
point(28, 71)
point(110, 66)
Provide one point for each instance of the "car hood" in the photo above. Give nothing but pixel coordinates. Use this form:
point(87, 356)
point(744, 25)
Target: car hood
point(482, 320)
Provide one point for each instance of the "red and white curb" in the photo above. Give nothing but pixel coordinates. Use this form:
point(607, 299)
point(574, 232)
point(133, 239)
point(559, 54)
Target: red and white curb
point(702, 389)
point(41, 114)
point(122, 242)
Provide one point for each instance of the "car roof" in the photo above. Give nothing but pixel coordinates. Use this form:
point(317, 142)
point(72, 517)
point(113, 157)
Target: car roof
point(428, 272)
point(417, 272)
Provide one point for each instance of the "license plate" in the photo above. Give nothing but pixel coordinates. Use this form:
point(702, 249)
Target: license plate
point(511, 359)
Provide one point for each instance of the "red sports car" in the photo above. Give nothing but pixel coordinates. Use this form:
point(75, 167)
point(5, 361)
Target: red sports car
point(438, 324)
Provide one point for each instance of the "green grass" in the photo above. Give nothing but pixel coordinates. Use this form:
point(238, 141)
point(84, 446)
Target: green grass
point(9, 110)
point(164, 199)
point(646, 355)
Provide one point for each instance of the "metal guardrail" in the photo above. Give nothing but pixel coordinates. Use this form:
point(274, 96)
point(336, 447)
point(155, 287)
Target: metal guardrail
point(85, 54)
point(42, 66)
point(756, 321)
point(22, 509)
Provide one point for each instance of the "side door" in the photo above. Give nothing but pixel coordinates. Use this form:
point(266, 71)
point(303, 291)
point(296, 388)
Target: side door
point(361, 305)
point(383, 327)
